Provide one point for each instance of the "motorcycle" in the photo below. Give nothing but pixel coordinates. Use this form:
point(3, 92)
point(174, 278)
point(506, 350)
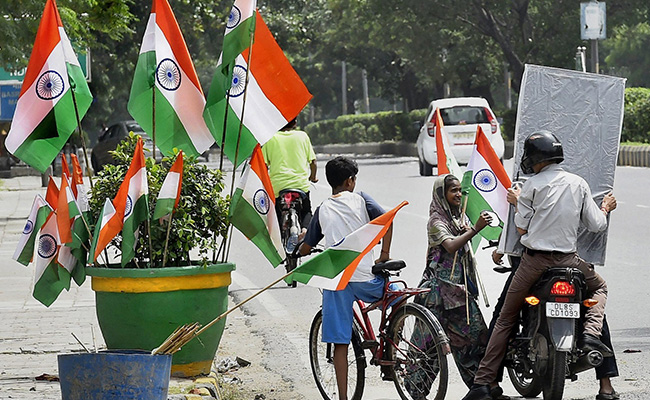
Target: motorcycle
point(290, 209)
point(543, 351)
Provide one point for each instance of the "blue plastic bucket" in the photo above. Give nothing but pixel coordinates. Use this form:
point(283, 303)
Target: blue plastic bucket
point(113, 375)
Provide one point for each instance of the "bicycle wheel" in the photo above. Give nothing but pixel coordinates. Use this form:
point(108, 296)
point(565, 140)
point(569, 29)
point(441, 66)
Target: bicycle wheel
point(415, 344)
point(322, 365)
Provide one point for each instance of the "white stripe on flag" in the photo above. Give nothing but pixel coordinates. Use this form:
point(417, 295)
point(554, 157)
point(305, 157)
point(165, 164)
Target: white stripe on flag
point(30, 109)
point(262, 117)
point(253, 184)
point(361, 239)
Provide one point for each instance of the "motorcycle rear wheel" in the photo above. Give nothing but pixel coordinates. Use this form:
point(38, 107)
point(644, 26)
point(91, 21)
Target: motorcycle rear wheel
point(527, 387)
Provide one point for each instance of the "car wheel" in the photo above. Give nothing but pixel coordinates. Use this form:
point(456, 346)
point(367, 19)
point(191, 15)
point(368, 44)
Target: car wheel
point(426, 169)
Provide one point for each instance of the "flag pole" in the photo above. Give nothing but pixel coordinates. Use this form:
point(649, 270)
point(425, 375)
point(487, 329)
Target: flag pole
point(223, 133)
point(83, 141)
point(169, 228)
point(241, 124)
point(153, 123)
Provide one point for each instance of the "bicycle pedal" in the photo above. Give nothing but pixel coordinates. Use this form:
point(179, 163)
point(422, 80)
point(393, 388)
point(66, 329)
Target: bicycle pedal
point(369, 344)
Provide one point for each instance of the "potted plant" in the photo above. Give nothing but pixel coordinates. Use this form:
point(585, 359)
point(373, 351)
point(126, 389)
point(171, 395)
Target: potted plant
point(140, 304)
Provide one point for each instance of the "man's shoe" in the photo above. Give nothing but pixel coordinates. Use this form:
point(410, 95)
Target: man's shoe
point(608, 396)
point(591, 342)
point(478, 392)
point(497, 394)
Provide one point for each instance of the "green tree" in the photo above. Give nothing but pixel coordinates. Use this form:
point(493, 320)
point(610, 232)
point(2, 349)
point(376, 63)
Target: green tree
point(628, 53)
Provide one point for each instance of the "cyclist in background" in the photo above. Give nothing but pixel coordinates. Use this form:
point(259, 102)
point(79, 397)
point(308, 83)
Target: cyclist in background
point(292, 165)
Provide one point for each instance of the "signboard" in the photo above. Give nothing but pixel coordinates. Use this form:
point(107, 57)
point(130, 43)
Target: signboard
point(592, 21)
point(16, 77)
point(8, 99)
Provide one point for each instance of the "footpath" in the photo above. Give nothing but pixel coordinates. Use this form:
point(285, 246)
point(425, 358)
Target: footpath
point(32, 335)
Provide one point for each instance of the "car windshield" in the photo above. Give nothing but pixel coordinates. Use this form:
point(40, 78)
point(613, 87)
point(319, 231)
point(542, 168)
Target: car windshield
point(463, 115)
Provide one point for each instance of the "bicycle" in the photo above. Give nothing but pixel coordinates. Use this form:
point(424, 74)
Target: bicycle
point(290, 206)
point(410, 345)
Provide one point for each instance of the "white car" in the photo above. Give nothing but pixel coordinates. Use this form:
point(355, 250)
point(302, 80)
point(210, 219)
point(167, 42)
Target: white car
point(461, 116)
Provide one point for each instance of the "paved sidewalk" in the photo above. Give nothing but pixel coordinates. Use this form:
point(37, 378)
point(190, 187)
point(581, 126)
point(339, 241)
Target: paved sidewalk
point(32, 335)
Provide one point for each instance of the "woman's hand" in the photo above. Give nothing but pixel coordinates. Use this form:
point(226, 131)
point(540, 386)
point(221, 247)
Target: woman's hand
point(484, 220)
point(497, 258)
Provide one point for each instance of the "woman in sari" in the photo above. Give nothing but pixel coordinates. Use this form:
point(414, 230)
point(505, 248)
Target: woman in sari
point(450, 274)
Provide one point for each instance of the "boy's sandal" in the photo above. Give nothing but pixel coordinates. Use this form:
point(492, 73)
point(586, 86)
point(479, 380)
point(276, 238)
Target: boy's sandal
point(608, 396)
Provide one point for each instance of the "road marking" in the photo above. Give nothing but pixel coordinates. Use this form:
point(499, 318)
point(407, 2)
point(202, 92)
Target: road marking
point(266, 299)
point(642, 206)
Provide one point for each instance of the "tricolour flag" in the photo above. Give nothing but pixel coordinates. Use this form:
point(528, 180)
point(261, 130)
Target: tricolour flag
point(165, 68)
point(80, 229)
point(52, 193)
point(486, 184)
point(108, 226)
point(131, 202)
point(276, 95)
point(45, 112)
point(252, 209)
point(65, 169)
point(333, 268)
point(170, 192)
point(37, 216)
point(447, 163)
point(77, 184)
point(49, 277)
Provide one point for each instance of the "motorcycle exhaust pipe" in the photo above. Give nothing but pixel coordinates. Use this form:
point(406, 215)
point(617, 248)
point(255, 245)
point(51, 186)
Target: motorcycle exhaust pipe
point(592, 359)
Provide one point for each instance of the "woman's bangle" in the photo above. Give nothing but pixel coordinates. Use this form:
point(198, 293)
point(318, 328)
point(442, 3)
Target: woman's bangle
point(474, 229)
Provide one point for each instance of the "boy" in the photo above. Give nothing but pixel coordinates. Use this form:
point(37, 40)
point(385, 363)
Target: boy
point(339, 215)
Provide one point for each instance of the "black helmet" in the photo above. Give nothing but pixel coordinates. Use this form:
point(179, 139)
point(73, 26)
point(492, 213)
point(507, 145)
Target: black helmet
point(541, 146)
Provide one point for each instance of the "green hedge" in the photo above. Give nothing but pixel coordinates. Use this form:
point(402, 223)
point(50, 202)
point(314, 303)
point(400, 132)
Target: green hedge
point(378, 127)
point(389, 125)
point(636, 123)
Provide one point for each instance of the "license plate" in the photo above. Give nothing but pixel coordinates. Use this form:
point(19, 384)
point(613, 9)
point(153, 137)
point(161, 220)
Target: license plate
point(563, 310)
point(463, 135)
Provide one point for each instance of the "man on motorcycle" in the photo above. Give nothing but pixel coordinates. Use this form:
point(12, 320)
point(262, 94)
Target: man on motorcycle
point(292, 165)
point(552, 205)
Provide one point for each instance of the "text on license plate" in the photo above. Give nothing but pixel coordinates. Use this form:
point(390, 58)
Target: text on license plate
point(563, 310)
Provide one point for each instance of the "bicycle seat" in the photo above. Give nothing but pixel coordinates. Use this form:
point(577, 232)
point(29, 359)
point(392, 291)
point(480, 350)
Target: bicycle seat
point(390, 265)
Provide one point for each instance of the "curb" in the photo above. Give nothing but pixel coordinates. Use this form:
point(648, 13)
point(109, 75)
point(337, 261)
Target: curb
point(203, 388)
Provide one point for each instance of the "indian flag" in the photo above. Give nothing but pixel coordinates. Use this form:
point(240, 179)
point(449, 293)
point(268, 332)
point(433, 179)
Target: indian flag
point(52, 193)
point(252, 209)
point(447, 163)
point(77, 184)
point(80, 229)
point(486, 184)
point(275, 95)
point(131, 202)
point(49, 277)
point(45, 113)
point(37, 216)
point(107, 227)
point(170, 192)
point(333, 268)
point(165, 70)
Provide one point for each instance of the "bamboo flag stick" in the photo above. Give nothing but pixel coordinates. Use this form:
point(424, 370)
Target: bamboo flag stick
point(186, 333)
point(241, 125)
point(153, 120)
point(453, 265)
point(169, 228)
point(83, 141)
point(466, 295)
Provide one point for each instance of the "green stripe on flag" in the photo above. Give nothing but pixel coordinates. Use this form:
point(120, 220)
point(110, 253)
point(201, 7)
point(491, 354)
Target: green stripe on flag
point(248, 221)
point(328, 264)
point(163, 207)
point(51, 284)
point(139, 213)
point(27, 252)
point(238, 39)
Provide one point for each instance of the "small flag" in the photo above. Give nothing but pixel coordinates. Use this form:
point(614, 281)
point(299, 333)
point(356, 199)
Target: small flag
point(165, 68)
point(77, 185)
point(45, 113)
point(131, 202)
point(486, 184)
point(252, 209)
point(49, 277)
point(66, 209)
point(170, 192)
point(37, 216)
point(108, 226)
point(80, 234)
point(447, 163)
point(52, 193)
point(276, 95)
point(333, 268)
point(65, 169)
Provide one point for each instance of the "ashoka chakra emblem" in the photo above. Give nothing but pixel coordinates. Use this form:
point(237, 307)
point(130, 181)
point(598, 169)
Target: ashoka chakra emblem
point(29, 227)
point(168, 74)
point(129, 206)
point(485, 180)
point(238, 84)
point(46, 246)
point(233, 18)
point(50, 85)
point(261, 201)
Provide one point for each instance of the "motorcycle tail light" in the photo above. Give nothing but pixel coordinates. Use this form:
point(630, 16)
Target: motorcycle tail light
point(563, 288)
point(532, 300)
point(589, 302)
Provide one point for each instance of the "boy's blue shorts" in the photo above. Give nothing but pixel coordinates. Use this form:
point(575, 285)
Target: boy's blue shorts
point(337, 308)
